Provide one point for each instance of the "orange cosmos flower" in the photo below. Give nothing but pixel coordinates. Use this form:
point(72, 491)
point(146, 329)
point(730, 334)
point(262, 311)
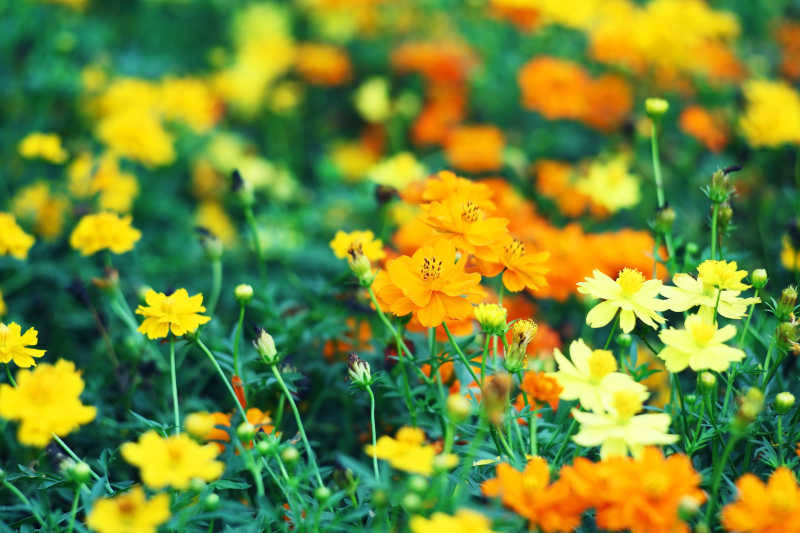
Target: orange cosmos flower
point(609, 102)
point(551, 507)
point(323, 64)
point(465, 224)
point(788, 36)
point(430, 284)
point(705, 127)
point(475, 148)
point(438, 62)
point(556, 180)
point(554, 87)
point(521, 268)
point(773, 507)
point(445, 184)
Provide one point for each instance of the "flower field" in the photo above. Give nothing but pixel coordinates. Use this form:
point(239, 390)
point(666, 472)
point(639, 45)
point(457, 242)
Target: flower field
point(436, 266)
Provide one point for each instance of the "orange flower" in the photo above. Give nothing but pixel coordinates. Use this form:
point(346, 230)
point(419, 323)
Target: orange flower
point(260, 419)
point(445, 107)
point(323, 64)
point(788, 36)
point(773, 507)
point(609, 101)
point(554, 87)
point(541, 388)
point(439, 62)
point(445, 185)
point(446, 374)
point(705, 127)
point(554, 179)
point(521, 268)
point(551, 507)
point(524, 17)
point(356, 339)
point(465, 224)
point(475, 148)
point(430, 284)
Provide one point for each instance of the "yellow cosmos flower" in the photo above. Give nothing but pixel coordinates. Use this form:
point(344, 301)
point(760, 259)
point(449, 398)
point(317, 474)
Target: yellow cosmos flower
point(590, 376)
point(613, 175)
point(38, 205)
point(408, 452)
point(398, 171)
point(370, 246)
point(772, 115)
point(138, 134)
point(172, 461)
point(43, 145)
point(129, 513)
point(689, 292)
point(104, 231)
point(722, 275)
point(464, 521)
point(620, 430)
point(630, 294)
point(46, 402)
point(177, 312)
point(700, 345)
point(14, 345)
point(13, 239)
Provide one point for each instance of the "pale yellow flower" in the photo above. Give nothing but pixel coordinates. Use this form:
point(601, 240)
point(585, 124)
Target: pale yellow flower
point(700, 345)
point(689, 292)
point(629, 294)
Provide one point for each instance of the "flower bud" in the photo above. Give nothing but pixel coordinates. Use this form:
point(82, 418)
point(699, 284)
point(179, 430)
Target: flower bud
point(265, 346)
point(211, 502)
point(786, 334)
point(197, 485)
point(380, 498)
point(242, 189)
point(359, 371)
point(290, 455)
point(691, 398)
point(783, 402)
point(759, 278)
point(492, 318)
point(198, 425)
point(692, 248)
point(688, 507)
point(411, 502)
point(786, 303)
point(665, 218)
point(211, 244)
point(724, 216)
point(79, 472)
point(444, 462)
point(656, 107)
point(750, 405)
point(322, 493)
point(624, 340)
point(417, 484)
point(458, 408)
point(360, 265)
point(495, 393)
point(243, 293)
point(706, 381)
point(522, 333)
point(246, 431)
point(720, 188)
point(264, 448)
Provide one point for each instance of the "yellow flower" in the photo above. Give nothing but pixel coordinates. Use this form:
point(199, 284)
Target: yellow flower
point(13, 239)
point(790, 258)
point(689, 292)
point(189, 100)
point(372, 100)
point(79, 175)
point(353, 159)
point(610, 185)
point(104, 231)
point(2, 305)
point(370, 246)
point(129, 513)
point(38, 204)
point(491, 317)
point(699, 345)
point(14, 345)
point(211, 215)
point(590, 376)
point(46, 401)
point(722, 275)
point(630, 294)
point(772, 116)
point(138, 134)
point(172, 461)
point(398, 171)
point(117, 189)
point(44, 145)
point(619, 429)
point(177, 312)
point(464, 521)
point(408, 452)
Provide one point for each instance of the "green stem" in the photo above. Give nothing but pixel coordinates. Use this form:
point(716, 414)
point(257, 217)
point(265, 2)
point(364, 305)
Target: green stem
point(10, 377)
point(714, 231)
point(611, 333)
point(699, 422)
point(389, 325)
point(299, 422)
point(504, 443)
point(24, 500)
point(747, 322)
point(374, 439)
point(717, 477)
point(75, 457)
point(573, 424)
point(222, 375)
point(236, 338)
point(173, 379)
point(657, 165)
point(483, 359)
point(460, 353)
point(684, 423)
point(780, 439)
point(252, 466)
point(767, 370)
point(216, 285)
point(74, 511)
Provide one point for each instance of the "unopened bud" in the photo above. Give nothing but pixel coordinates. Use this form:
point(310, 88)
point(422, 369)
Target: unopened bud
point(79, 472)
point(242, 189)
point(624, 340)
point(458, 408)
point(786, 334)
point(656, 107)
point(665, 218)
point(265, 346)
point(380, 498)
point(724, 216)
point(783, 402)
point(243, 293)
point(759, 278)
point(411, 502)
point(417, 484)
point(786, 303)
point(706, 381)
point(198, 425)
point(492, 318)
point(360, 264)
point(322, 493)
point(211, 244)
point(211, 502)
point(750, 406)
point(688, 507)
point(444, 462)
point(720, 188)
point(290, 455)
point(359, 370)
point(522, 333)
point(197, 485)
point(246, 431)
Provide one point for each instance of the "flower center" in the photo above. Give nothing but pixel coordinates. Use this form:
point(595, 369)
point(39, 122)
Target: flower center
point(656, 483)
point(431, 268)
point(702, 332)
point(630, 280)
point(627, 403)
point(470, 212)
point(355, 250)
point(174, 450)
point(601, 363)
point(125, 505)
point(515, 249)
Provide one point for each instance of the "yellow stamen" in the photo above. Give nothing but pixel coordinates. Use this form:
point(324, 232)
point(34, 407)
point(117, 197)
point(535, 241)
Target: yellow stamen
point(601, 363)
point(630, 280)
point(627, 403)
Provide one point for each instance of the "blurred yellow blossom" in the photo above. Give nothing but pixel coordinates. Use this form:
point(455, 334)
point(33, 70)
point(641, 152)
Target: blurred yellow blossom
point(353, 159)
point(772, 114)
point(129, 512)
point(139, 135)
point(464, 521)
point(371, 247)
point(610, 184)
point(37, 203)
point(406, 451)
point(189, 100)
point(398, 171)
point(211, 215)
point(372, 99)
point(104, 231)
point(43, 145)
point(13, 239)
point(14, 345)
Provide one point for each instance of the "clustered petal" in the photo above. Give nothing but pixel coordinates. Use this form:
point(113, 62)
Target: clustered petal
point(177, 313)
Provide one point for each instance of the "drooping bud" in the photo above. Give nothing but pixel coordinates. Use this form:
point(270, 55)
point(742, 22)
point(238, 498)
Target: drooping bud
point(522, 333)
point(783, 402)
point(360, 265)
point(656, 107)
point(759, 278)
point(359, 371)
point(265, 346)
point(243, 293)
point(492, 318)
